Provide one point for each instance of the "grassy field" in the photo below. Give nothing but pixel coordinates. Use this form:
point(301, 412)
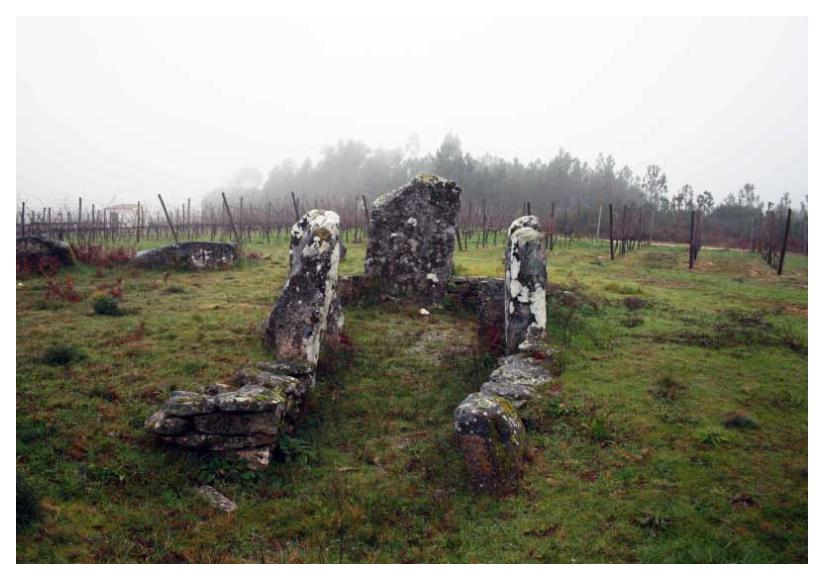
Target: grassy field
point(677, 431)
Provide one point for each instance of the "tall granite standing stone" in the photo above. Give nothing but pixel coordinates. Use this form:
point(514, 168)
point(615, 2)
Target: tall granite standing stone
point(247, 417)
point(308, 306)
point(412, 238)
point(525, 286)
point(488, 427)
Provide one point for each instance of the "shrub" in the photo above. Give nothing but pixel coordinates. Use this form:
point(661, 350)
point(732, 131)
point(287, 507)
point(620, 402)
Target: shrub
point(740, 421)
point(28, 504)
point(62, 355)
point(99, 256)
point(107, 305)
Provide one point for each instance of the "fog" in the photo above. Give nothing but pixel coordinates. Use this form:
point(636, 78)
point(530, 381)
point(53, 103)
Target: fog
point(119, 110)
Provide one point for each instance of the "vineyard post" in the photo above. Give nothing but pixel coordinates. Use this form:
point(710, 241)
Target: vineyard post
point(552, 228)
point(784, 243)
point(241, 217)
point(93, 223)
point(691, 244)
point(355, 220)
point(611, 231)
point(50, 231)
point(295, 205)
point(367, 215)
point(483, 239)
point(138, 220)
point(79, 221)
point(599, 215)
point(168, 217)
point(230, 218)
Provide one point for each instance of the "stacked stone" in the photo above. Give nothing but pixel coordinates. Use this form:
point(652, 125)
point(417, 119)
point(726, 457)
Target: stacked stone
point(194, 255)
point(412, 238)
point(248, 416)
point(487, 424)
point(246, 421)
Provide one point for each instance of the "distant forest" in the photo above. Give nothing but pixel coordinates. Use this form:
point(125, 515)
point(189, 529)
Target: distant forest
point(350, 169)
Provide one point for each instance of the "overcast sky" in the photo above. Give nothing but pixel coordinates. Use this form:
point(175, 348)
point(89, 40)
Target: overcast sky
point(119, 110)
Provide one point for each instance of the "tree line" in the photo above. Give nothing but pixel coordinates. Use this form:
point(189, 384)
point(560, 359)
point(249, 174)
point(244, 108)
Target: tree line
point(350, 169)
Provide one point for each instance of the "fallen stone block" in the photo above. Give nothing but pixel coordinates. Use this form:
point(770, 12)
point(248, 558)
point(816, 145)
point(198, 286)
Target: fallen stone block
point(195, 255)
point(216, 499)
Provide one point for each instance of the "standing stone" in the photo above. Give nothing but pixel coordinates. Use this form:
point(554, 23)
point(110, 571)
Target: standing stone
point(525, 295)
point(412, 238)
point(299, 320)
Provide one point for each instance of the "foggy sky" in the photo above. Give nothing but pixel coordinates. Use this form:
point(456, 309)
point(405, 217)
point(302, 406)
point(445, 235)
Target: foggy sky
point(119, 110)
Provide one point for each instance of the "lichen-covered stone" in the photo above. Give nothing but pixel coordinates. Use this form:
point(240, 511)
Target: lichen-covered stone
point(412, 238)
point(485, 296)
point(216, 499)
point(298, 323)
point(490, 435)
point(32, 249)
point(517, 379)
point(221, 442)
point(250, 398)
point(525, 291)
point(194, 255)
point(189, 404)
point(254, 458)
point(163, 424)
point(268, 422)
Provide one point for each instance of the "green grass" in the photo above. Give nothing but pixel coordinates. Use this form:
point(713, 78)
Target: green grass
point(629, 457)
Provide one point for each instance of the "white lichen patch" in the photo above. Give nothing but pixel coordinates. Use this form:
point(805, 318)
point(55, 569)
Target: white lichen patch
point(432, 277)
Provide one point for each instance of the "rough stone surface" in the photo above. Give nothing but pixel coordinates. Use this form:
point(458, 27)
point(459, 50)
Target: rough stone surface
point(247, 417)
point(216, 499)
point(164, 424)
point(484, 296)
point(300, 317)
point(517, 379)
point(195, 255)
point(490, 435)
point(412, 238)
point(525, 297)
point(32, 249)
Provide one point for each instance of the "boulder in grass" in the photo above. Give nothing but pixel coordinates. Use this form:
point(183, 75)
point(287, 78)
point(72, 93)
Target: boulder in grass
point(32, 250)
point(490, 435)
point(194, 255)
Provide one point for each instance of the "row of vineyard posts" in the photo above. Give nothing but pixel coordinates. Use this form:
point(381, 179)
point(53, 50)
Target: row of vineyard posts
point(480, 225)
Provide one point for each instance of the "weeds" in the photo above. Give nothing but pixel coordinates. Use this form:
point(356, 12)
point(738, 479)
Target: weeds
point(740, 421)
point(667, 389)
point(107, 305)
point(62, 355)
point(63, 292)
point(28, 504)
